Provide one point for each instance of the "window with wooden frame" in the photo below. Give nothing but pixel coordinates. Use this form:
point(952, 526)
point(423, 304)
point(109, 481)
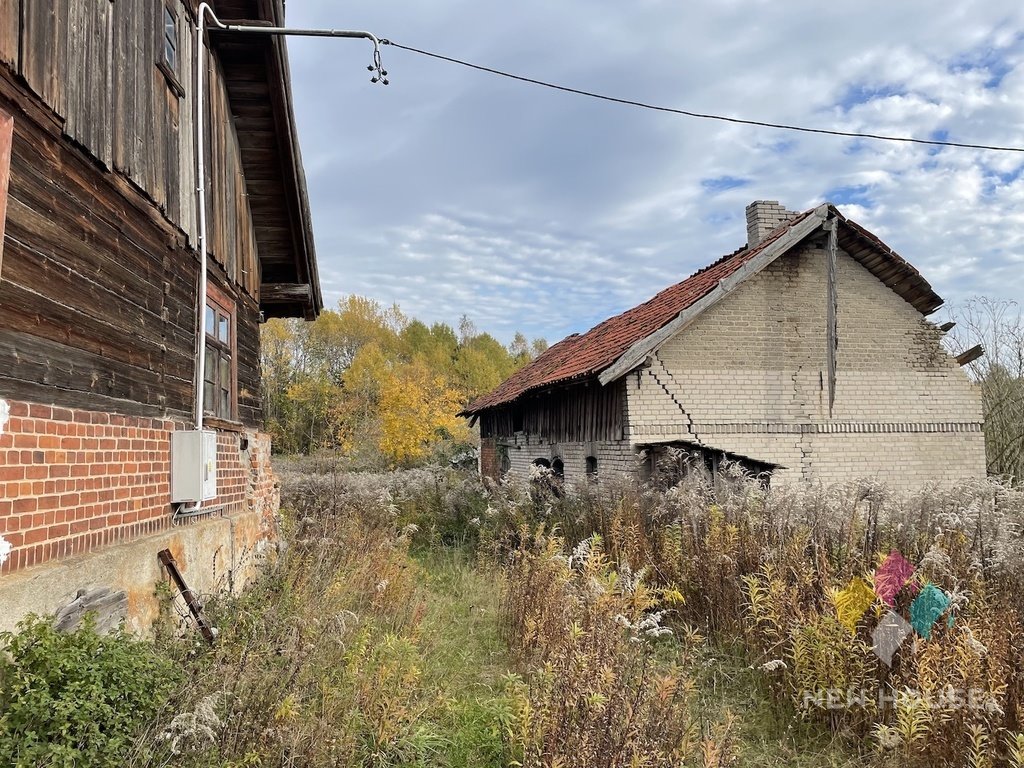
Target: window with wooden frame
point(168, 37)
point(220, 388)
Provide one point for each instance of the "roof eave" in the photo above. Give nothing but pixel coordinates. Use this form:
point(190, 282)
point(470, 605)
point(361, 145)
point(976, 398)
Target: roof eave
point(299, 283)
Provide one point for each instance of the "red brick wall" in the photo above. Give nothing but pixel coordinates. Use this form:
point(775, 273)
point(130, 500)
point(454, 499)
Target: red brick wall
point(74, 480)
point(490, 465)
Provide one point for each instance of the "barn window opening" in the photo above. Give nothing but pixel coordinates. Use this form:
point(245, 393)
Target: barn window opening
point(167, 45)
point(558, 467)
point(591, 469)
point(170, 39)
point(542, 463)
point(219, 379)
point(670, 463)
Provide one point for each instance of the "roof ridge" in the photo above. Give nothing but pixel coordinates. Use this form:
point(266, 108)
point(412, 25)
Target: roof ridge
point(579, 356)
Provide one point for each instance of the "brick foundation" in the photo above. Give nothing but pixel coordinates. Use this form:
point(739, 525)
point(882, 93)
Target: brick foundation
point(72, 481)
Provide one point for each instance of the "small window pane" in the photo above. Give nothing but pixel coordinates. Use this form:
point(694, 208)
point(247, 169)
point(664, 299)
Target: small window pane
point(225, 404)
point(225, 371)
point(211, 321)
point(208, 392)
point(211, 366)
point(170, 38)
point(224, 329)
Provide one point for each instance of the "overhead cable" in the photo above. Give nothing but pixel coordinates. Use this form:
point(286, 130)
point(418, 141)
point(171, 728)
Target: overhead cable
point(704, 115)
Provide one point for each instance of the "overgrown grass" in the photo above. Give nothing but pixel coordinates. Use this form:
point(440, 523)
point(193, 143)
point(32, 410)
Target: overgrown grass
point(422, 618)
point(465, 661)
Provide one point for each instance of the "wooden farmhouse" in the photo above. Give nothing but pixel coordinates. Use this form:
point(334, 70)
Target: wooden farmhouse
point(100, 309)
point(806, 355)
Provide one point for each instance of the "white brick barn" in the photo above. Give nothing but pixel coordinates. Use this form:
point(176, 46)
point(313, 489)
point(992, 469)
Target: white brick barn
point(806, 354)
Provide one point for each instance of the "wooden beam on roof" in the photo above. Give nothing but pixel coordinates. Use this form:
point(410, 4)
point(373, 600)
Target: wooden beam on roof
point(947, 327)
point(832, 310)
point(285, 293)
point(637, 353)
point(970, 355)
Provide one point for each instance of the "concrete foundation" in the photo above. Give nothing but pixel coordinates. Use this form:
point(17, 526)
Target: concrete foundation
point(214, 555)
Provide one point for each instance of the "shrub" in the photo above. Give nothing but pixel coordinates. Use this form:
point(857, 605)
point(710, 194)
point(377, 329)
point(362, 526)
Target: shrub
point(594, 691)
point(76, 698)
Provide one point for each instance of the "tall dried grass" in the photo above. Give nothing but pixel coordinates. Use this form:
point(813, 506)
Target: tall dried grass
point(765, 569)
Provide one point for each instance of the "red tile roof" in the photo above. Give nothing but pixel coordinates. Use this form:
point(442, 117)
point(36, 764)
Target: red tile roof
point(583, 356)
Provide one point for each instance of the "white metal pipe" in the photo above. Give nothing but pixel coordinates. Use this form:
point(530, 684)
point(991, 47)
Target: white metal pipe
point(205, 13)
point(200, 121)
point(253, 28)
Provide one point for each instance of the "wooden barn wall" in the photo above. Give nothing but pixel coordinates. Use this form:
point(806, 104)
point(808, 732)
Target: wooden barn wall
point(574, 414)
point(94, 63)
point(10, 31)
point(232, 235)
point(99, 282)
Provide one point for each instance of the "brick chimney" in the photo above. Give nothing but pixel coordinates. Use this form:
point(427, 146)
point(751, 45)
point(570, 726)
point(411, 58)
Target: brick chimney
point(762, 217)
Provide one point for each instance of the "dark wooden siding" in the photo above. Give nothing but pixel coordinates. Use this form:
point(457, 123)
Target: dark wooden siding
point(98, 288)
point(580, 413)
point(94, 64)
point(10, 29)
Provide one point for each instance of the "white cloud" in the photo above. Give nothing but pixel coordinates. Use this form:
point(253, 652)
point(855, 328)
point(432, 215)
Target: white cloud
point(454, 192)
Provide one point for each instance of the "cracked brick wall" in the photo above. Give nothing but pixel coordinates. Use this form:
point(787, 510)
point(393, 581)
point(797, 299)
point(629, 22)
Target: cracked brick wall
point(749, 377)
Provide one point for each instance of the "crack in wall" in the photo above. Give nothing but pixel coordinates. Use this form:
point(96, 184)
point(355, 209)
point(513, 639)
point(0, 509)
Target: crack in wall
point(802, 411)
point(691, 427)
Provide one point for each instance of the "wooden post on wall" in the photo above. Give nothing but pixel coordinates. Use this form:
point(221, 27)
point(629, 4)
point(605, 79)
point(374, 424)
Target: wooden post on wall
point(6, 139)
point(832, 310)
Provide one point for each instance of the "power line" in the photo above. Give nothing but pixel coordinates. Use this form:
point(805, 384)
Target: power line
point(702, 115)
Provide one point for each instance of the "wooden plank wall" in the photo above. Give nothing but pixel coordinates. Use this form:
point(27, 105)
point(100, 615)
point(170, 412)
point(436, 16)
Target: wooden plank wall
point(44, 49)
point(231, 231)
point(98, 291)
point(94, 63)
point(146, 124)
point(574, 414)
point(99, 281)
point(10, 32)
point(89, 93)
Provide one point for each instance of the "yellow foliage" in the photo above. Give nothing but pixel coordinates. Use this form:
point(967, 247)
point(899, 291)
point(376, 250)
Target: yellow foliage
point(852, 602)
point(417, 407)
point(378, 385)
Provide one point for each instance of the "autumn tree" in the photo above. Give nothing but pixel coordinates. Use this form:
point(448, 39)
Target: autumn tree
point(376, 385)
point(999, 328)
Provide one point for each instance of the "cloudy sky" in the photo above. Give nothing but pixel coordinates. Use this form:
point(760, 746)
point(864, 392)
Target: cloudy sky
point(453, 191)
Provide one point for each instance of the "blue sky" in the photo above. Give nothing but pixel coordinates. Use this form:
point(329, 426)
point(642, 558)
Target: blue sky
point(452, 191)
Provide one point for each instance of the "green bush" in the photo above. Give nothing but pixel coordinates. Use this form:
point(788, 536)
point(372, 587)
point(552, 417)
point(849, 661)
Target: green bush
point(76, 698)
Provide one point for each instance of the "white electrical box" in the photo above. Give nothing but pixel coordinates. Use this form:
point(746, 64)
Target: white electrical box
point(193, 466)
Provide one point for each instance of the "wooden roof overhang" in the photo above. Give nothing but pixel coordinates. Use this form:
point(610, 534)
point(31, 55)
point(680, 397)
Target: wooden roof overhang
point(258, 83)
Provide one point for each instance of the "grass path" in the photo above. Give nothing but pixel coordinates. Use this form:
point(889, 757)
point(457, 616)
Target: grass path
point(464, 658)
